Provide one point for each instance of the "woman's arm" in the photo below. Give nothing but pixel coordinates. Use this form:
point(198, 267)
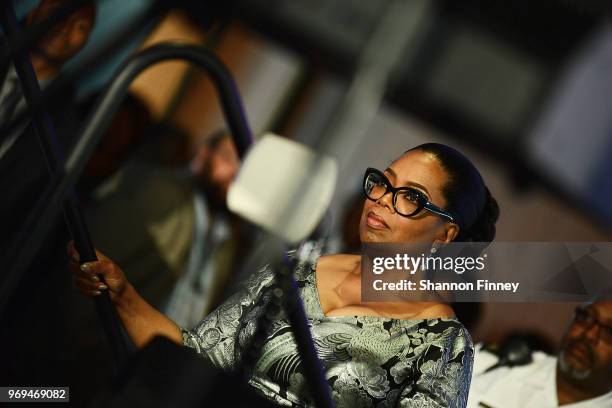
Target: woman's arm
point(141, 320)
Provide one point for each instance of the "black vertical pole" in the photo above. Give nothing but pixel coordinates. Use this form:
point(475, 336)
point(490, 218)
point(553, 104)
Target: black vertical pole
point(54, 157)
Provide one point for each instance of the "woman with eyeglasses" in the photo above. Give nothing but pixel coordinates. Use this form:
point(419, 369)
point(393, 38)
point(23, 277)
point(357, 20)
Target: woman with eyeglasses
point(375, 354)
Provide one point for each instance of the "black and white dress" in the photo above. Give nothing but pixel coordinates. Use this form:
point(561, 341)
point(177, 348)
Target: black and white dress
point(369, 361)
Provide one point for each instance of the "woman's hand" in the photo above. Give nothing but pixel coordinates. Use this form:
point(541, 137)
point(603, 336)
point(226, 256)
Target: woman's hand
point(92, 278)
point(140, 319)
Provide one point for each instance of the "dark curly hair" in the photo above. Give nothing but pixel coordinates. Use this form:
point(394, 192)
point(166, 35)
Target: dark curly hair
point(467, 196)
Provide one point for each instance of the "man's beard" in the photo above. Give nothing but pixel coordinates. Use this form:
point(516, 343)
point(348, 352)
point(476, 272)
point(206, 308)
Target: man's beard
point(215, 197)
point(573, 372)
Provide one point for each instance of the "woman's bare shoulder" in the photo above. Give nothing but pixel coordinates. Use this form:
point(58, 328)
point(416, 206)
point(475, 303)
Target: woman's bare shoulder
point(436, 310)
point(338, 262)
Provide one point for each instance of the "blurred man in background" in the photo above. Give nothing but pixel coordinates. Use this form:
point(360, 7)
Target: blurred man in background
point(221, 240)
point(21, 156)
point(171, 229)
point(47, 57)
point(580, 377)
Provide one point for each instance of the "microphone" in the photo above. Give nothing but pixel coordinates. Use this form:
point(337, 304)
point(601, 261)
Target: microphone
point(515, 351)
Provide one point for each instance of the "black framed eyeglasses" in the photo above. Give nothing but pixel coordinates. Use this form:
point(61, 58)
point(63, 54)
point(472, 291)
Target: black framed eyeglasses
point(585, 318)
point(407, 201)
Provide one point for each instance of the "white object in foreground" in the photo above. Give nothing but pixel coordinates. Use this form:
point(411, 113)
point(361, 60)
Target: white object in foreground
point(283, 187)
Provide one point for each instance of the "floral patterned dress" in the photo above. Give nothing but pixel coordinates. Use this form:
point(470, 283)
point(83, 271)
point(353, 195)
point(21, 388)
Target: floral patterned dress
point(369, 361)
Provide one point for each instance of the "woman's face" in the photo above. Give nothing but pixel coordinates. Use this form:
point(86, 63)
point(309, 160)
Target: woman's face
point(379, 221)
